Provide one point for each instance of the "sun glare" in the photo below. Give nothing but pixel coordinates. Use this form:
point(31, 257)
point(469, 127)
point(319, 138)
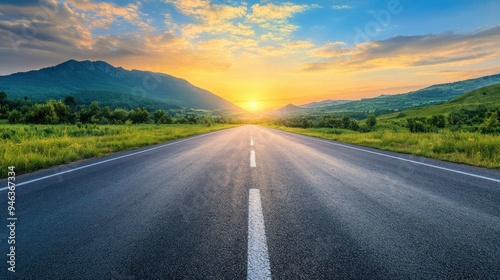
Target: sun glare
point(252, 105)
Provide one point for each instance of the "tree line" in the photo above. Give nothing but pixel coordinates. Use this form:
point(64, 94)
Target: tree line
point(67, 111)
point(327, 121)
point(480, 119)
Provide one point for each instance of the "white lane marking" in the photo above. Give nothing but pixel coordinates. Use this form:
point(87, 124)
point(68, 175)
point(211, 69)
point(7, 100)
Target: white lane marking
point(258, 266)
point(252, 159)
point(108, 160)
point(403, 159)
point(251, 141)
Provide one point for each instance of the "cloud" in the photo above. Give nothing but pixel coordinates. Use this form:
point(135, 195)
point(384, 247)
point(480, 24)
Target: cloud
point(211, 18)
point(341, 7)
point(276, 13)
point(222, 19)
point(275, 19)
point(434, 60)
point(406, 51)
point(331, 49)
point(48, 32)
point(299, 45)
point(263, 28)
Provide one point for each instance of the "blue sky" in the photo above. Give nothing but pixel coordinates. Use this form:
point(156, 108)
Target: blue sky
point(266, 52)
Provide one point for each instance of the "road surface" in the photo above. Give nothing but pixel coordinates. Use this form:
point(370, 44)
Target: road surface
point(256, 203)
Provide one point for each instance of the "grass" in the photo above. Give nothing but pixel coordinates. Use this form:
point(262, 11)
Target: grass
point(462, 147)
point(33, 147)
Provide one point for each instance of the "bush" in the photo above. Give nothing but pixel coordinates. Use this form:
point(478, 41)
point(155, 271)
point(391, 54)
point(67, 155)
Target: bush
point(417, 125)
point(161, 117)
point(62, 110)
point(491, 124)
point(4, 111)
point(438, 121)
point(371, 120)
point(42, 114)
point(15, 116)
point(139, 115)
point(119, 116)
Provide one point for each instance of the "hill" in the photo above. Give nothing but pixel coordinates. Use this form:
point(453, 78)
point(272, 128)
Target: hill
point(487, 97)
point(108, 84)
point(432, 95)
point(324, 103)
point(290, 109)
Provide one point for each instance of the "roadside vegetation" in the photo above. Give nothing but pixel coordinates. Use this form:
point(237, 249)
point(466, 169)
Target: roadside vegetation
point(33, 147)
point(471, 148)
point(464, 130)
point(36, 135)
point(68, 111)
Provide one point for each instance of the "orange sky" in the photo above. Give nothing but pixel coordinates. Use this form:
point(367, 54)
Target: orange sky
point(263, 54)
point(272, 85)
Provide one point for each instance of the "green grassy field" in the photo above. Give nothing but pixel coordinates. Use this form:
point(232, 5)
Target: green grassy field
point(462, 147)
point(34, 147)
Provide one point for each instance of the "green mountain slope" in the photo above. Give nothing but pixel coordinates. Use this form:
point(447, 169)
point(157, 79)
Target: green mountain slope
point(81, 78)
point(488, 97)
point(432, 95)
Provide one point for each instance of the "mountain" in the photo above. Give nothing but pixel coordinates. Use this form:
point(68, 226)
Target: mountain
point(324, 103)
point(110, 84)
point(432, 95)
point(487, 97)
point(290, 109)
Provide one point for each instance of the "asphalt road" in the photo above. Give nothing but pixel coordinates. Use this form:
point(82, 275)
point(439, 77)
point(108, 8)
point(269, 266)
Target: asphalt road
point(258, 203)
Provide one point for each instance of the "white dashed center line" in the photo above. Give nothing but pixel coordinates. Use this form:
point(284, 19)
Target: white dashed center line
point(252, 159)
point(258, 266)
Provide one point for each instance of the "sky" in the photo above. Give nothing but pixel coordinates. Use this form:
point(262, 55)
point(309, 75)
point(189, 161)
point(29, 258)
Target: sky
point(263, 54)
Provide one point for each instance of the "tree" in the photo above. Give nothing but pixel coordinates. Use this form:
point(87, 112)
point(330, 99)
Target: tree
point(455, 118)
point(160, 117)
point(346, 122)
point(490, 124)
point(105, 115)
point(15, 116)
point(91, 113)
point(305, 123)
point(207, 121)
point(119, 116)
point(42, 114)
point(354, 125)
point(416, 125)
point(62, 110)
point(94, 108)
point(3, 98)
point(4, 109)
point(70, 101)
point(371, 120)
point(139, 115)
point(438, 121)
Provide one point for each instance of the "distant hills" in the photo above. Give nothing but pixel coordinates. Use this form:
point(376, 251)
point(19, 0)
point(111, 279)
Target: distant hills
point(436, 94)
point(100, 81)
point(487, 97)
point(324, 103)
point(290, 109)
